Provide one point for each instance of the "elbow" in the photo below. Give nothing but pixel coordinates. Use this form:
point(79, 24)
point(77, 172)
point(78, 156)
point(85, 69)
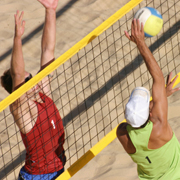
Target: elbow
point(159, 78)
point(159, 81)
point(48, 49)
point(17, 73)
point(48, 53)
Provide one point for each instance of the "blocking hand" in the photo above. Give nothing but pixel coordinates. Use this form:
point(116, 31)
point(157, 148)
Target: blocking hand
point(49, 4)
point(169, 86)
point(19, 24)
point(137, 32)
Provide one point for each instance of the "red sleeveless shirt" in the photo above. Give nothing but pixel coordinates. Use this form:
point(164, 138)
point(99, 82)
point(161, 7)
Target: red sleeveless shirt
point(44, 143)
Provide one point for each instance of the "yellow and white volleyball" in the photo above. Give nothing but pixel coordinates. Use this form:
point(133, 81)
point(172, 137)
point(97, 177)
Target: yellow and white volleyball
point(151, 19)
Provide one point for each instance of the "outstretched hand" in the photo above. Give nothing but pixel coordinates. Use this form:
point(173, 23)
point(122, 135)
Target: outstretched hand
point(137, 32)
point(49, 4)
point(19, 24)
point(169, 86)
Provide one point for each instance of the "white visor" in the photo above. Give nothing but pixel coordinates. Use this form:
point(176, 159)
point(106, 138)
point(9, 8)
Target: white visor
point(137, 108)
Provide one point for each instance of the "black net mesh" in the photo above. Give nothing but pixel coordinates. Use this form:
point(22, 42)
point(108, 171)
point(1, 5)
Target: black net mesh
point(91, 89)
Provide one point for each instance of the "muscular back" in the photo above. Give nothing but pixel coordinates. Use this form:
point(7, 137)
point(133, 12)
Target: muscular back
point(159, 137)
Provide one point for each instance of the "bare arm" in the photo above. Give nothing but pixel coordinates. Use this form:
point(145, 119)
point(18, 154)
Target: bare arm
point(48, 39)
point(49, 31)
point(19, 108)
point(160, 106)
point(169, 88)
point(17, 62)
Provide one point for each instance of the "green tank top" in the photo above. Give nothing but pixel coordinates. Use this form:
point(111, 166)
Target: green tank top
point(162, 163)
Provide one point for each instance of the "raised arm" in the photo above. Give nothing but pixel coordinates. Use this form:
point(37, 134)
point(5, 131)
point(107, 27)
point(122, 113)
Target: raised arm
point(19, 108)
point(48, 41)
point(49, 32)
point(169, 88)
point(17, 62)
point(158, 113)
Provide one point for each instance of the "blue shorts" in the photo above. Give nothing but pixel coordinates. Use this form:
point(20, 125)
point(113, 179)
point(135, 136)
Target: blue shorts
point(23, 175)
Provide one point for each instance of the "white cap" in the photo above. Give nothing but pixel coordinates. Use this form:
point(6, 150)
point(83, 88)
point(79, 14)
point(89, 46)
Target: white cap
point(137, 108)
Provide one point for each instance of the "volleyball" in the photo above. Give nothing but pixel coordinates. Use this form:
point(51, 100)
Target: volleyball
point(151, 19)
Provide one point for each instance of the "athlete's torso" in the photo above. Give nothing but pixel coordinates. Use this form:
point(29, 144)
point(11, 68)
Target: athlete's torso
point(44, 142)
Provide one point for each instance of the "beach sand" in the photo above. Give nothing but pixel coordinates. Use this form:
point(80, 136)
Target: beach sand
point(75, 19)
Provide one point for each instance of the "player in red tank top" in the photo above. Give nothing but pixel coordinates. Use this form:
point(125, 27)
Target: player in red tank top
point(34, 112)
point(45, 140)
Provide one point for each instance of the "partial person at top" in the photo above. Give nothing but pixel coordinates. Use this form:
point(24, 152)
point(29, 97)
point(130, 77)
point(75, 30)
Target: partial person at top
point(147, 136)
point(35, 113)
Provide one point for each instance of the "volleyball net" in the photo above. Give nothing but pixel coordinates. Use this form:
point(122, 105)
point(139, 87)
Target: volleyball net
point(91, 85)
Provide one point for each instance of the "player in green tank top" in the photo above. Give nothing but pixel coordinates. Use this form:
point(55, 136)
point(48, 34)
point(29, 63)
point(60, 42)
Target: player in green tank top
point(147, 136)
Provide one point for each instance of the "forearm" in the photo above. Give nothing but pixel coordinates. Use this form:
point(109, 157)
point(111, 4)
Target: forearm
point(151, 63)
point(17, 61)
point(49, 36)
point(49, 32)
point(159, 110)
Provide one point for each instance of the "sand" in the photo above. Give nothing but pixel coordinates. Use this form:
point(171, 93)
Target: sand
point(75, 19)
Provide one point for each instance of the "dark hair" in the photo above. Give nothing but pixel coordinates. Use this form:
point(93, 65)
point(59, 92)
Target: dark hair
point(6, 81)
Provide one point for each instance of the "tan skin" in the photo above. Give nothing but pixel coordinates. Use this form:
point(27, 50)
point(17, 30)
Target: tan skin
point(24, 109)
point(161, 132)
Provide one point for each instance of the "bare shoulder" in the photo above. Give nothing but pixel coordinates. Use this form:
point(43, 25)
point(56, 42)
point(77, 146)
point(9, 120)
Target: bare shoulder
point(121, 129)
point(122, 133)
point(160, 135)
point(123, 136)
point(162, 129)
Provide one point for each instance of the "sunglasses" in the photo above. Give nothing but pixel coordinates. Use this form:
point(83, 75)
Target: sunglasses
point(28, 78)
